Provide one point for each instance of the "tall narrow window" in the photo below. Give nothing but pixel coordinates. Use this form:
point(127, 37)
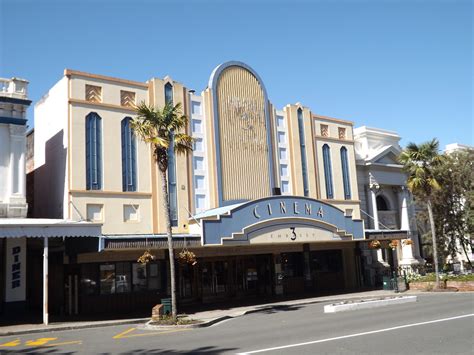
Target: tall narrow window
point(129, 153)
point(328, 171)
point(345, 174)
point(304, 166)
point(172, 183)
point(93, 151)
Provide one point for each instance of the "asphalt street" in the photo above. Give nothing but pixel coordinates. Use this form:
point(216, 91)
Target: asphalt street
point(438, 323)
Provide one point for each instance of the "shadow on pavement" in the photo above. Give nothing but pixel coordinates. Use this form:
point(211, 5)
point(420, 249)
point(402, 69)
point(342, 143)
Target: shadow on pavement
point(277, 309)
point(38, 350)
point(205, 350)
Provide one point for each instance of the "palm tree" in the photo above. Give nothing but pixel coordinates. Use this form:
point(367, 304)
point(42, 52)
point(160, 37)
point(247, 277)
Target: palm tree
point(420, 163)
point(162, 128)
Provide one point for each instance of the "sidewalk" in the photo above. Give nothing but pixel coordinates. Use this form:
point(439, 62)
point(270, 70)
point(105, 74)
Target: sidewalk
point(206, 318)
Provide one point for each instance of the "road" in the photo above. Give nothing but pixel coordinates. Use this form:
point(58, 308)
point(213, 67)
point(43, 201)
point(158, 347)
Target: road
point(437, 324)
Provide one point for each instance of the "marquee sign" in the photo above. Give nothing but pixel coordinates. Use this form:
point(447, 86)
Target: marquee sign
point(280, 219)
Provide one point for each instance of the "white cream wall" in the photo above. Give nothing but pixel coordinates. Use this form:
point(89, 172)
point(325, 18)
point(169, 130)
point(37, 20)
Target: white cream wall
point(4, 160)
point(111, 196)
point(51, 117)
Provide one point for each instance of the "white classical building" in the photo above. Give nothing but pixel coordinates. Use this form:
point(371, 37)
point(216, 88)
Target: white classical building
point(386, 204)
point(13, 105)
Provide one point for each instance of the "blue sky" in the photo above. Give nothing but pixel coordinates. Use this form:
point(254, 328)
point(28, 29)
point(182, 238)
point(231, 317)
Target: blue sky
point(398, 65)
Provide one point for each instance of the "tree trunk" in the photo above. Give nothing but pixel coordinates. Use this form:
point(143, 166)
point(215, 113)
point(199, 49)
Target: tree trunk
point(166, 205)
point(433, 236)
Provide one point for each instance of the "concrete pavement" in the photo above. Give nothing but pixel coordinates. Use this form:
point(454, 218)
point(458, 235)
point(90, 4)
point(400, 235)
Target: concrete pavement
point(204, 318)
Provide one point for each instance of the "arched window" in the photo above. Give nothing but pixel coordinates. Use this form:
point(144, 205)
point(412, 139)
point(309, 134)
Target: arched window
point(129, 154)
point(93, 151)
point(345, 174)
point(382, 204)
point(172, 184)
point(304, 167)
point(328, 171)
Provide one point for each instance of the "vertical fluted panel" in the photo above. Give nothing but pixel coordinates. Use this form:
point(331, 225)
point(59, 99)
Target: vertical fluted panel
point(243, 139)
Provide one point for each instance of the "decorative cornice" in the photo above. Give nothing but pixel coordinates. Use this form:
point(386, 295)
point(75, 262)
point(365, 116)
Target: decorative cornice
point(69, 72)
point(331, 139)
point(14, 100)
point(102, 105)
point(13, 120)
point(104, 192)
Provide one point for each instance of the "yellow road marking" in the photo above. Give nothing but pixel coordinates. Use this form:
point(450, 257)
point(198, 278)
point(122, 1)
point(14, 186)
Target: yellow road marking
point(12, 343)
point(65, 343)
point(118, 336)
point(124, 334)
point(39, 341)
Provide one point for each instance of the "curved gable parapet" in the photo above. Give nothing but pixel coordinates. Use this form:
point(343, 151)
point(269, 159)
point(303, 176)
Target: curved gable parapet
point(216, 73)
point(241, 119)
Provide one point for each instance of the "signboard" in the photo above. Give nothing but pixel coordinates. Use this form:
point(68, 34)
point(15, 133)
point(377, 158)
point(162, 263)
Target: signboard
point(281, 219)
point(15, 287)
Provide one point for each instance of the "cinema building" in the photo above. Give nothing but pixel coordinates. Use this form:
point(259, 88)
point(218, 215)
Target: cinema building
point(268, 200)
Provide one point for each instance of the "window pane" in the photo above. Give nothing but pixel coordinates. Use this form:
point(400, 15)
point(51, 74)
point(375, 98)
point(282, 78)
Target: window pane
point(285, 187)
point(284, 170)
point(283, 155)
point(198, 145)
point(89, 277)
point(155, 279)
point(199, 182)
point(281, 137)
point(196, 107)
point(197, 126)
point(280, 121)
point(200, 202)
point(122, 277)
point(198, 163)
point(107, 278)
point(139, 277)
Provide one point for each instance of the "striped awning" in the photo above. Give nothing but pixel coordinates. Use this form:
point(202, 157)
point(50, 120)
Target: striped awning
point(41, 228)
point(153, 241)
point(386, 234)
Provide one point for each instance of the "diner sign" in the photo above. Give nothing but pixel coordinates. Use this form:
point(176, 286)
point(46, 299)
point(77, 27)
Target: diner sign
point(15, 285)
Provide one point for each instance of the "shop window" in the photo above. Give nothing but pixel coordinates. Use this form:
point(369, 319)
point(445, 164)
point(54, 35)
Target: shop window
point(292, 264)
point(327, 260)
point(139, 277)
point(123, 277)
point(156, 281)
point(107, 278)
point(89, 277)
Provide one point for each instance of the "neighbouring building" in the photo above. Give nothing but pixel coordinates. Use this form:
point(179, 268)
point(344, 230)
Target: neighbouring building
point(24, 242)
point(269, 200)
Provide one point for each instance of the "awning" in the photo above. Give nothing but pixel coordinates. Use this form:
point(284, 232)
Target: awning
point(42, 227)
point(152, 241)
point(386, 234)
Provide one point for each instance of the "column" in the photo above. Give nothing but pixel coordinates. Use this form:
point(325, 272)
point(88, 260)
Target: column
point(375, 214)
point(45, 282)
point(407, 244)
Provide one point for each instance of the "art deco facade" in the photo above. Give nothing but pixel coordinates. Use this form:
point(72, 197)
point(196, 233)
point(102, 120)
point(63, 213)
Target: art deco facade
point(268, 200)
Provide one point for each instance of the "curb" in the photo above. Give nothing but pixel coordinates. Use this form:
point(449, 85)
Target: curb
point(54, 328)
point(368, 304)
